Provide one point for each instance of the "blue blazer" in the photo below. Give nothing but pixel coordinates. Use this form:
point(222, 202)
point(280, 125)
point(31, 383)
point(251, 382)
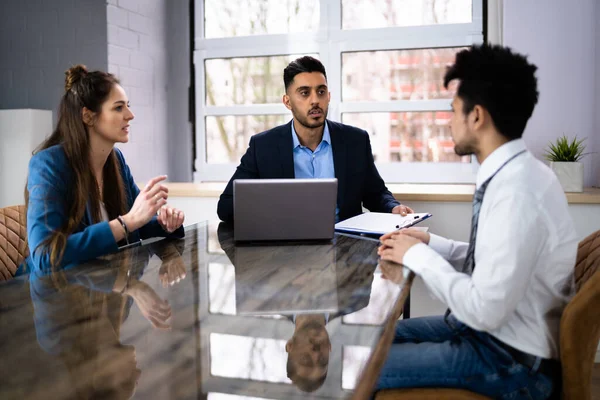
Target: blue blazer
point(49, 181)
point(270, 155)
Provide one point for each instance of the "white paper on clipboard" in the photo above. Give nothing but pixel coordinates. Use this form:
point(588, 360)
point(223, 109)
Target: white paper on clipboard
point(379, 223)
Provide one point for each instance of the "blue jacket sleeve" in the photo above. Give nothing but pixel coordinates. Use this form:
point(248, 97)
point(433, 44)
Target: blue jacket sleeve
point(152, 228)
point(47, 211)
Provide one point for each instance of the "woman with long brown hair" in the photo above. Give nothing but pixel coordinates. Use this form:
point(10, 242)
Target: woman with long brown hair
point(81, 198)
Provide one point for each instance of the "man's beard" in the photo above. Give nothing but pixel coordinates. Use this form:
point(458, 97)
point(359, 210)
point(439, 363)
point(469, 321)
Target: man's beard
point(305, 120)
point(466, 148)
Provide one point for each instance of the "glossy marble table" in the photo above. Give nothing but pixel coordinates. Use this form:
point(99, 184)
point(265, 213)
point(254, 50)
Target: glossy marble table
point(203, 318)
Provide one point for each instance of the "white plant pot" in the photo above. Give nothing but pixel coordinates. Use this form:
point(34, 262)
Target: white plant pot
point(570, 175)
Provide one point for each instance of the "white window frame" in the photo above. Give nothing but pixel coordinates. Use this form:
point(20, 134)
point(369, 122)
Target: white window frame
point(329, 42)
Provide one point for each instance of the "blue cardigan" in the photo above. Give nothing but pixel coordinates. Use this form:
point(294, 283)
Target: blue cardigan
point(49, 181)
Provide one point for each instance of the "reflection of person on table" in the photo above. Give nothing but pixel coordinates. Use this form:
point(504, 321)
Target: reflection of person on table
point(309, 347)
point(308, 352)
point(78, 319)
point(78, 315)
point(81, 197)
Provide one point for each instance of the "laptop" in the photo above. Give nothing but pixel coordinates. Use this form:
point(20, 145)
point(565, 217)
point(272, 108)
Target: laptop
point(284, 209)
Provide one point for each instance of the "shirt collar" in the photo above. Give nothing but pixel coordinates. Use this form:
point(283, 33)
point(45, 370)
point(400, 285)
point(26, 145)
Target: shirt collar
point(498, 157)
point(296, 141)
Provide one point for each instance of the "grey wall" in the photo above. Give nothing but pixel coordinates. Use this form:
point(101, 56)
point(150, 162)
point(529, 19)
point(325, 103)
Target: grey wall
point(179, 143)
point(562, 43)
point(39, 40)
point(148, 49)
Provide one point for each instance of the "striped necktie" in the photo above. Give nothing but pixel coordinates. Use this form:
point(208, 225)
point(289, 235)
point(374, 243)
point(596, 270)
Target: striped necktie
point(469, 264)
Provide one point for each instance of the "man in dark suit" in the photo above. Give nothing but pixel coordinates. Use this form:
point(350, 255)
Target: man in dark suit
point(310, 146)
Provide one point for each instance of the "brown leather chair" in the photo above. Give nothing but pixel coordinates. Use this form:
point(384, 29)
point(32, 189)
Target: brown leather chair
point(579, 336)
point(13, 240)
point(580, 323)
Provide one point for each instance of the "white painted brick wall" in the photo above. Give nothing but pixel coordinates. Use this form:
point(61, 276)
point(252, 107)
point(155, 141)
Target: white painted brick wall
point(131, 5)
point(116, 16)
point(137, 54)
point(139, 23)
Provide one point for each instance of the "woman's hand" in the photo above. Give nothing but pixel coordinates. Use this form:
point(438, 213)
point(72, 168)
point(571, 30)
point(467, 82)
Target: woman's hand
point(153, 308)
point(147, 204)
point(170, 218)
point(172, 271)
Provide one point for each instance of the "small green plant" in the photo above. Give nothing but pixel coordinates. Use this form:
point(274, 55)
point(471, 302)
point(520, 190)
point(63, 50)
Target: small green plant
point(563, 151)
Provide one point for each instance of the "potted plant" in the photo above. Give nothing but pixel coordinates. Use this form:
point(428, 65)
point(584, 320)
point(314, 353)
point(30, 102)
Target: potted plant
point(564, 157)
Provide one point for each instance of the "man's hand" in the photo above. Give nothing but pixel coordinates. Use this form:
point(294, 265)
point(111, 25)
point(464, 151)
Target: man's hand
point(414, 232)
point(391, 271)
point(395, 246)
point(402, 210)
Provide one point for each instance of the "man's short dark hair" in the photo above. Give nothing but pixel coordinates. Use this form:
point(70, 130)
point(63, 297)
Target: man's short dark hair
point(304, 384)
point(499, 80)
point(299, 65)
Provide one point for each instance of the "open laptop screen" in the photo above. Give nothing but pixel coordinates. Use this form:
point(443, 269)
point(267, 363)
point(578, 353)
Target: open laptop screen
point(284, 209)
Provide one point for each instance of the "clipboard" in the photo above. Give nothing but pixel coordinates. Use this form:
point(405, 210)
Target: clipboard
point(373, 223)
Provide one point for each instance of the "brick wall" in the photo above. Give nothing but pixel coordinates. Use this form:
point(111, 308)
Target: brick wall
point(138, 53)
point(39, 40)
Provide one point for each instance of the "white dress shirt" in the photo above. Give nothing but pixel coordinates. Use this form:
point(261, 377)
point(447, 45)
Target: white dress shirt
point(525, 254)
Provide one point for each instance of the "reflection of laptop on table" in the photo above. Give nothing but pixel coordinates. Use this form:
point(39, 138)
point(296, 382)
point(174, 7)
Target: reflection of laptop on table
point(284, 209)
point(285, 279)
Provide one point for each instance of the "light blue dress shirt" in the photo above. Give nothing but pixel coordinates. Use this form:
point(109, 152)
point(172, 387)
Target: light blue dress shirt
point(317, 164)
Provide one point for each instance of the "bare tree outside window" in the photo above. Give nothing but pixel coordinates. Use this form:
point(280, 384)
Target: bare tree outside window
point(360, 14)
point(231, 18)
point(249, 80)
point(402, 75)
point(386, 73)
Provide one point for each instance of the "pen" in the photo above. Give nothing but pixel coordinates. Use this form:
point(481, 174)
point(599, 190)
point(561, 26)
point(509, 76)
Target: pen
point(409, 224)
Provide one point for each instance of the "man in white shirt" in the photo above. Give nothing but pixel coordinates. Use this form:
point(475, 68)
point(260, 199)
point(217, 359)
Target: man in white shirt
point(507, 288)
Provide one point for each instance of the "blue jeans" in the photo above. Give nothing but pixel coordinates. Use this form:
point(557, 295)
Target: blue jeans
point(433, 352)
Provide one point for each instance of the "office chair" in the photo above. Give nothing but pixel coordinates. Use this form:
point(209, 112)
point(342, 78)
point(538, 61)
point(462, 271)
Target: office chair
point(13, 240)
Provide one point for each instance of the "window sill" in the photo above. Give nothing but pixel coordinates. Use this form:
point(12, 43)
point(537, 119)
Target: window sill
point(408, 192)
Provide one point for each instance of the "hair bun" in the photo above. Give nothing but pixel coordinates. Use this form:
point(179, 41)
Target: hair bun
point(74, 75)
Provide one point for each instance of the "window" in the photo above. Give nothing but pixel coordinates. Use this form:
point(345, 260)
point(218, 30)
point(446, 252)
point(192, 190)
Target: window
point(385, 61)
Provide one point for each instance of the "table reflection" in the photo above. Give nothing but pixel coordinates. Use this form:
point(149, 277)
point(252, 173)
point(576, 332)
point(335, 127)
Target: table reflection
point(308, 286)
point(79, 312)
point(197, 318)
